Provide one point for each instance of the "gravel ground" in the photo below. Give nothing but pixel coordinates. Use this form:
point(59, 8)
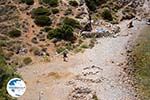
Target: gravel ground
point(96, 73)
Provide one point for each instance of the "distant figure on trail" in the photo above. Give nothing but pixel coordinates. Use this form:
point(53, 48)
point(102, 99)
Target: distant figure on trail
point(65, 56)
point(130, 25)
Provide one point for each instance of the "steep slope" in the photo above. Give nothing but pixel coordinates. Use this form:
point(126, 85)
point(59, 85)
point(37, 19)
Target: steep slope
point(35, 32)
point(96, 73)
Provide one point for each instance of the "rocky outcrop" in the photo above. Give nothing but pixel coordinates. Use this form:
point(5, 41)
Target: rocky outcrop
point(102, 29)
point(82, 14)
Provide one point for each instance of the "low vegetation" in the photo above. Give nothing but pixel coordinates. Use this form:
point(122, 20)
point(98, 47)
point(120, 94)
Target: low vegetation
point(28, 2)
point(60, 49)
point(52, 3)
point(71, 22)
point(7, 72)
point(106, 14)
point(40, 11)
point(142, 65)
point(68, 11)
point(55, 10)
point(93, 4)
point(47, 29)
point(27, 60)
point(84, 46)
point(128, 13)
point(43, 20)
point(14, 33)
point(65, 31)
point(73, 3)
point(95, 97)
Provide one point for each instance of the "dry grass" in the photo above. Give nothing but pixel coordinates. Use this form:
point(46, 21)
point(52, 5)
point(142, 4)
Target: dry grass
point(142, 65)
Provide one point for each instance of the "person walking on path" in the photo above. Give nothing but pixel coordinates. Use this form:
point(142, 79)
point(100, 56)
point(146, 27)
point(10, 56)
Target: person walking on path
point(65, 56)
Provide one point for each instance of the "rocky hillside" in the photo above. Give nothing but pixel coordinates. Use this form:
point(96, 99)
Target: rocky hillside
point(32, 29)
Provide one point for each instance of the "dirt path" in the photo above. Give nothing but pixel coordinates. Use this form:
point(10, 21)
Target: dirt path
point(97, 71)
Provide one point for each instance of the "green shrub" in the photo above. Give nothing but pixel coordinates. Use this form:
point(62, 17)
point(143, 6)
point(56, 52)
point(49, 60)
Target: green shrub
point(60, 49)
point(14, 33)
point(3, 43)
point(40, 11)
point(28, 2)
point(71, 22)
point(2, 61)
point(85, 46)
point(65, 32)
point(55, 11)
point(73, 3)
point(95, 97)
point(69, 46)
point(106, 14)
point(92, 42)
point(47, 29)
point(92, 4)
point(27, 60)
point(5, 76)
point(43, 20)
point(53, 3)
point(55, 33)
point(77, 50)
point(68, 11)
point(6, 73)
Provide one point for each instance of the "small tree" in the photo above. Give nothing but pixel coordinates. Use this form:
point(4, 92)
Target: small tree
point(91, 4)
point(65, 32)
point(28, 2)
point(47, 29)
point(14, 33)
point(68, 11)
point(40, 11)
point(43, 21)
point(73, 3)
point(71, 22)
point(52, 3)
point(55, 33)
point(106, 14)
point(55, 11)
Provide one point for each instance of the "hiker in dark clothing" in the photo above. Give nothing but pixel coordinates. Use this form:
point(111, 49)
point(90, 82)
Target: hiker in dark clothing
point(65, 56)
point(130, 25)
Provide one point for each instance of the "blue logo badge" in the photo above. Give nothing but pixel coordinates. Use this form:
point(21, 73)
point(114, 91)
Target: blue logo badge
point(16, 87)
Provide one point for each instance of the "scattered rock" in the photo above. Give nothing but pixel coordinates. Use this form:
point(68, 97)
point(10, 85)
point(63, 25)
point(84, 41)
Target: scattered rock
point(34, 40)
point(81, 93)
point(23, 51)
